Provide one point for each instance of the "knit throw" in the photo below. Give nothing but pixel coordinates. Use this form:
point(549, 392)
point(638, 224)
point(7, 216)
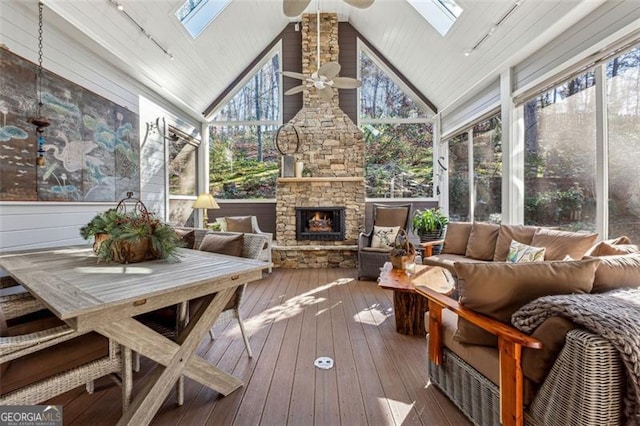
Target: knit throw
point(614, 315)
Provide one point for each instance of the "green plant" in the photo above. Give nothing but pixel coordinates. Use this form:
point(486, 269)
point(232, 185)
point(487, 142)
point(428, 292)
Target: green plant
point(429, 220)
point(115, 229)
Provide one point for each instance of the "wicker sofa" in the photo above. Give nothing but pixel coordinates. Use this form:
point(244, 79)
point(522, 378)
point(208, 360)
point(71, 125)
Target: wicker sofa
point(561, 374)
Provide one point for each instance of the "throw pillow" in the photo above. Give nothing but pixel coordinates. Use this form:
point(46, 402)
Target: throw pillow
point(223, 244)
point(615, 249)
point(384, 236)
point(595, 249)
point(499, 289)
point(617, 271)
point(562, 243)
point(239, 224)
point(523, 253)
point(187, 237)
point(508, 233)
point(482, 241)
point(456, 238)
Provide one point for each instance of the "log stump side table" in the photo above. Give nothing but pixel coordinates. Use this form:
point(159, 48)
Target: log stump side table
point(409, 307)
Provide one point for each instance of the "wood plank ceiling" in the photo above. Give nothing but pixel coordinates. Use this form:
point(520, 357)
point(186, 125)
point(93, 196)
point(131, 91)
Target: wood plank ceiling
point(204, 67)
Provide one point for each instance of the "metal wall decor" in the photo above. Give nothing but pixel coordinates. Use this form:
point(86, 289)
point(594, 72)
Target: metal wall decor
point(38, 120)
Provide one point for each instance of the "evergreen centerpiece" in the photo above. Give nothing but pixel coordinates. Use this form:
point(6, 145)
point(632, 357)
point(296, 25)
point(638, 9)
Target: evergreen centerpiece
point(128, 236)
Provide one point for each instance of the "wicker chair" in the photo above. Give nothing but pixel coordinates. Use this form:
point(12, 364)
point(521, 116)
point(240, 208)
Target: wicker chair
point(265, 254)
point(371, 259)
point(41, 357)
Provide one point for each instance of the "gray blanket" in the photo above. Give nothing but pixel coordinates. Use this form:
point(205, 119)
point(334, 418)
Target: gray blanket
point(614, 315)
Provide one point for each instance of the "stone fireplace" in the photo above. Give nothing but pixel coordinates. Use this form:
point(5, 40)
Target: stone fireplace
point(332, 148)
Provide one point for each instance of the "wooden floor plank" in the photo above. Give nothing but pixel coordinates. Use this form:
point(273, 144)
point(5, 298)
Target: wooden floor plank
point(292, 317)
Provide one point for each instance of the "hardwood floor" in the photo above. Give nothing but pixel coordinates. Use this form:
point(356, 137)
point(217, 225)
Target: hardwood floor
point(293, 317)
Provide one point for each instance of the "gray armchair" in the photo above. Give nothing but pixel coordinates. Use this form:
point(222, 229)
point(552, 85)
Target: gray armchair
point(371, 259)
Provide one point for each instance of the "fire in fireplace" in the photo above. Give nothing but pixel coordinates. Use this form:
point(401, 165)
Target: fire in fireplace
point(320, 223)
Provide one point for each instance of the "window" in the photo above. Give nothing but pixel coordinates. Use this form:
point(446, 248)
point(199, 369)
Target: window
point(398, 137)
point(243, 160)
point(477, 195)
point(623, 118)
point(182, 170)
point(560, 156)
point(195, 15)
point(440, 14)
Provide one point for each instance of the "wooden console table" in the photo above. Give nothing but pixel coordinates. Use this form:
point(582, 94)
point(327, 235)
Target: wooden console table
point(409, 307)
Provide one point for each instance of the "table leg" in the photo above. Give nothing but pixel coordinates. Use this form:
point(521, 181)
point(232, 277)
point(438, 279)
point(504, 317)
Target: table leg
point(177, 358)
point(409, 310)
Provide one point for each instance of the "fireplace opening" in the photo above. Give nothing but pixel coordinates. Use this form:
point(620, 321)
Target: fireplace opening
point(320, 223)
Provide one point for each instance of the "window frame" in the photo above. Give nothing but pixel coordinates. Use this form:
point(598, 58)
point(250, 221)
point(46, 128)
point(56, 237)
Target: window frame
point(361, 121)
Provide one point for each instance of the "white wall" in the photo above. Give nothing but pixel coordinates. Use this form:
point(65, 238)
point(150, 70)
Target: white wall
point(70, 54)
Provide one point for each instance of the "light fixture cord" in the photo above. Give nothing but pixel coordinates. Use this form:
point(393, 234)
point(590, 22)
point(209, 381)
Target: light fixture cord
point(318, 35)
point(39, 85)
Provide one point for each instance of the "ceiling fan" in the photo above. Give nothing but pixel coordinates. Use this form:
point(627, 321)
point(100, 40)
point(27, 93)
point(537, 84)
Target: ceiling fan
point(293, 8)
point(325, 79)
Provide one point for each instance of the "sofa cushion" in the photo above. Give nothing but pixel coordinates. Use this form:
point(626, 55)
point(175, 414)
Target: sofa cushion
point(519, 252)
point(536, 363)
point(187, 237)
point(617, 271)
point(595, 249)
point(499, 289)
point(520, 233)
point(223, 244)
point(560, 244)
point(448, 261)
point(384, 236)
point(482, 241)
point(239, 224)
point(456, 238)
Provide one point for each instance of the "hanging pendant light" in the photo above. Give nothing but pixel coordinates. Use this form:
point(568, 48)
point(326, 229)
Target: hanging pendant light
point(39, 121)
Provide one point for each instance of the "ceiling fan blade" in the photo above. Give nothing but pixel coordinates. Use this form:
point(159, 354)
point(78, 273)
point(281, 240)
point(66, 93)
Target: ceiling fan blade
point(325, 94)
point(346, 83)
point(295, 90)
point(360, 4)
point(294, 8)
point(329, 70)
point(293, 74)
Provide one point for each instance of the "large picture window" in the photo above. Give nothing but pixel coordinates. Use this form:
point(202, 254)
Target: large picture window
point(243, 160)
point(623, 118)
point(398, 137)
point(560, 159)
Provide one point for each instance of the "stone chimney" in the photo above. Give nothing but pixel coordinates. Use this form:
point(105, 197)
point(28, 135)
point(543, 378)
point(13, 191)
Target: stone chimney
point(332, 148)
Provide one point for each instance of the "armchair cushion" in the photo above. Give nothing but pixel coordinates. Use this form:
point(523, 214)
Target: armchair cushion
point(455, 240)
point(617, 271)
point(188, 237)
point(499, 289)
point(536, 363)
point(384, 236)
point(482, 241)
point(239, 224)
point(560, 244)
point(391, 216)
point(223, 244)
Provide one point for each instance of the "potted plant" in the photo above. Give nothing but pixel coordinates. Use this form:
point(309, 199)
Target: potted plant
point(403, 252)
point(128, 237)
point(430, 225)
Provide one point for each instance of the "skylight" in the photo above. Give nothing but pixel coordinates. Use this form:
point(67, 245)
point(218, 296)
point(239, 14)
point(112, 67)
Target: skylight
point(195, 15)
point(441, 14)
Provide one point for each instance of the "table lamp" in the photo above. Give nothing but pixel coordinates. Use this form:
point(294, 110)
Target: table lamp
point(205, 201)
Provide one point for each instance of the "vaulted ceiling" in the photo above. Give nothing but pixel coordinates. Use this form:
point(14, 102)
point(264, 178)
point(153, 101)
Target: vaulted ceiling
point(205, 66)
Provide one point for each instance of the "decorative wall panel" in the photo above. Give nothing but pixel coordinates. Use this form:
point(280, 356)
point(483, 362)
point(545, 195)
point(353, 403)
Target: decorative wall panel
point(92, 148)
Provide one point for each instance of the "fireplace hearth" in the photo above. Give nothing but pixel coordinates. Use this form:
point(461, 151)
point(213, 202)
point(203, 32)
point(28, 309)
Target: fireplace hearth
point(320, 223)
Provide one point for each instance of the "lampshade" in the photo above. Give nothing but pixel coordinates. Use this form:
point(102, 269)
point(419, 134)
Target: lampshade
point(205, 201)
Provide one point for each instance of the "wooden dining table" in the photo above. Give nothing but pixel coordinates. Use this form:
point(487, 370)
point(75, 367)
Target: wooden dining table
point(105, 297)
